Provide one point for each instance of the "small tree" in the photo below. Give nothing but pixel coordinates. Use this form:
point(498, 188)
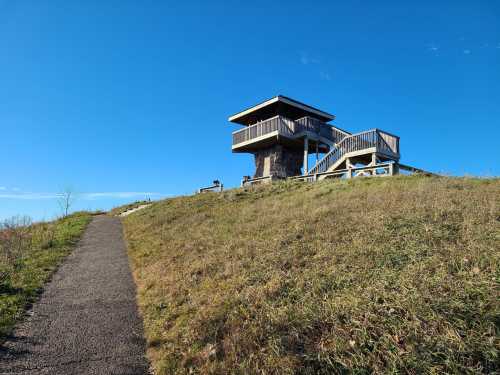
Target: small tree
point(66, 199)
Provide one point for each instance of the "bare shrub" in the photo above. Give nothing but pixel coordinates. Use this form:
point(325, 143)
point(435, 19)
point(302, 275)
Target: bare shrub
point(43, 236)
point(15, 241)
point(66, 199)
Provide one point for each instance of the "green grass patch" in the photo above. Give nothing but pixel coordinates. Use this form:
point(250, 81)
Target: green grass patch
point(28, 257)
point(382, 275)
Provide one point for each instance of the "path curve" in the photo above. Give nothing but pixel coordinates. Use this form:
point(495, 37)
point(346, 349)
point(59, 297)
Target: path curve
point(86, 321)
point(132, 210)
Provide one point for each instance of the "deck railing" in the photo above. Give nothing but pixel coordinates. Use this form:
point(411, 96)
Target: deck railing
point(383, 142)
point(287, 127)
point(262, 128)
point(391, 141)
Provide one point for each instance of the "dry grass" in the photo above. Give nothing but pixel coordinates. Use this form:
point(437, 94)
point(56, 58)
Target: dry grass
point(388, 275)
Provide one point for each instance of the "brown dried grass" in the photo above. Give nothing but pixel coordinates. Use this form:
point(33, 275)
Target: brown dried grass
point(380, 275)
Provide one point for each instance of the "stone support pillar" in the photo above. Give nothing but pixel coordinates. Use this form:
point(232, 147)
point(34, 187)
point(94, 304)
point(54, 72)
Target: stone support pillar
point(278, 161)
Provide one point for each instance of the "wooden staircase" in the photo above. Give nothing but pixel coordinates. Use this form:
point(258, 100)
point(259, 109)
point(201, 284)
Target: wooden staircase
point(358, 146)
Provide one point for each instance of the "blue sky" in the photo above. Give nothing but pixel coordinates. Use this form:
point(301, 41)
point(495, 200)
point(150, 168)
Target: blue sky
point(126, 99)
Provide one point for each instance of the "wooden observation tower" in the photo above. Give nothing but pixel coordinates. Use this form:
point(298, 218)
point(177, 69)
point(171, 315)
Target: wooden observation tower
point(281, 133)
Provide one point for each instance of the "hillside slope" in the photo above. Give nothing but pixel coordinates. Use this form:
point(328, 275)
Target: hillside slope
point(369, 275)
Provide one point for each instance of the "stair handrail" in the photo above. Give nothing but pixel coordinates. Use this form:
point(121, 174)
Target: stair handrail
point(348, 144)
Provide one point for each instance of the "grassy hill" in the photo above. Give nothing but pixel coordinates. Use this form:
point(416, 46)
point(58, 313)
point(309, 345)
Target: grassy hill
point(356, 276)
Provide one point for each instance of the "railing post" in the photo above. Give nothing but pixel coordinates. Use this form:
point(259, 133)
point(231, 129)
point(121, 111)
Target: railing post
point(306, 155)
point(348, 163)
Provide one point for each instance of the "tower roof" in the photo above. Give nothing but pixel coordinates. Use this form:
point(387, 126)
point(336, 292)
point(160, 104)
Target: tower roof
point(279, 105)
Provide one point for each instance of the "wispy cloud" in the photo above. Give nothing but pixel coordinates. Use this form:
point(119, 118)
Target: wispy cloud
point(466, 47)
point(120, 194)
point(3, 188)
point(83, 196)
point(432, 47)
point(306, 59)
point(325, 75)
point(28, 196)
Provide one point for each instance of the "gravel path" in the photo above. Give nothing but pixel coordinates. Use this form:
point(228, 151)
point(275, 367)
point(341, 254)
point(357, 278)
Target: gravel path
point(86, 321)
point(126, 213)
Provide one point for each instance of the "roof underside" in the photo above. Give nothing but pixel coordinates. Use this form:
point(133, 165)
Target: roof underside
point(279, 105)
